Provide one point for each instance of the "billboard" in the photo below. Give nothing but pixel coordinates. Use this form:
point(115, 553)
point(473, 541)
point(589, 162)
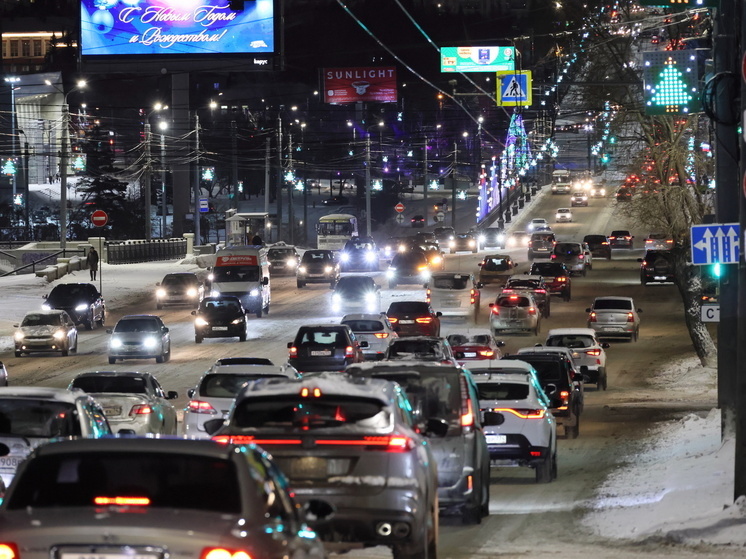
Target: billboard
point(349, 85)
point(162, 28)
point(477, 59)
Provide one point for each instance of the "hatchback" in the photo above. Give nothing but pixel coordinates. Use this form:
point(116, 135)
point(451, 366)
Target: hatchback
point(563, 215)
point(182, 288)
point(81, 301)
point(140, 336)
point(324, 347)
point(471, 348)
point(496, 268)
point(420, 348)
point(444, 234)
point(446, 394)
point(353, 443)
point(556, 277)
point(410, 266)
point(541, 244)
point(575, 256)
point(418, 221)
point(283, 259)
point(537, 224)
point(515, 312)
point(587, 352)
point(519, 426)
point(614, 317)
point(621, 238)
point(658, 241)
point(318, 266)
point(374, 329)
point(414, 318)
point(454, 294)
point(46, 331)
point(356, 293)
point(534, 285)
point(154, 497)
point(598, 245)
point(220, 317)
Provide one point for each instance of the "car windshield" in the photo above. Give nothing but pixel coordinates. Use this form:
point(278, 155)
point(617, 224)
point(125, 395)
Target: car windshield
point(496, 264)
point(364, 325)
point(512, 302)
point(292, 411)
point(612, 304)
point(450, 282)
point(24, 417)
point(244, 361)
point(408, 259)
point(179, 280)
point(73, 291)
point(657, 236)
point(354, 284)
point(280, 252)
point(409, 307)
point(567, 249)
point(136, 325)
point(106, 383)
point(172, 481)
point(573, 341)
point(236, 273)
point(220, 306)
point(220, 385)
point(326, 337)
point(357, 244)
point(415, 349)
point(502, 391)
point(41, 319)
point(315, 256)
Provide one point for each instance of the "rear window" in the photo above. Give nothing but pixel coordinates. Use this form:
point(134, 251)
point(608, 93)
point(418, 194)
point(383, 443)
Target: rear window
point(415, 349)
point(244, 361)
point(38, 418)
point(496, 264)
point(547, 269)
point(324, 337)
point(545, 237)
point(450, 282)
point(547, 370)
point(409, 307)
point(226, 386)
point(294, 412)
point(620, 233)
point(173, 481)
point(523, 284)
point(364, 325)
point(605, 304)
point(594, 239)
point(106, 383)
point(502, 391)
point(568, 249)
point(513, 302)
point(571, 341)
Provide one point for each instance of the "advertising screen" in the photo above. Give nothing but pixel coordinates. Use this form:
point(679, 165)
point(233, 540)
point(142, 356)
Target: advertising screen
point(349, 85)
point(175, 27)
point(477, 59)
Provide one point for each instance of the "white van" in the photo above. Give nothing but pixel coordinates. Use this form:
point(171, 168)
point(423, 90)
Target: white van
point(243, 271)
point(454, 294)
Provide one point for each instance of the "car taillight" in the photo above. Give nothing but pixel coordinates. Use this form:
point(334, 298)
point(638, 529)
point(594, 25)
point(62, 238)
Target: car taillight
point(293, 351)
point(522, 413)
point(381, 335)
point(554, 256)
point(467, 413)
point(473, 296)
point(612, 238)
point(565, 395)
point(393, 320)
point(141, 409)
point(122, 501)
point(592, 317)
point(427, 296)
point(531, 310)
point(530, 243)
point(561, 279)
point(9, 551)
point(593, 352)
point(425, 320)
point(581, 256)
point(495, 309)
point(223, 553)
point(198, 406)
point(644, 263)
point(630, 317)
point(540, 290)
point(250, 439)
point(349, 351)
point(486, 353)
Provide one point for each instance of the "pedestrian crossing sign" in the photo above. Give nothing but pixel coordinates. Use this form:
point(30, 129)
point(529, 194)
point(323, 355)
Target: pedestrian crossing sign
point(514, 88)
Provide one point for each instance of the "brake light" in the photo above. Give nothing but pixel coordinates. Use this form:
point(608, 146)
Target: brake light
point(222, 553)
point(381, 335)
point(467, 413)
point(141, 409)
point(531, 311)
point(592, 317)
point(9, 551)
point(513, 297)
point(581, 256)
point(293, 352)
point(495, 309)
point(425, 320)
point(535, 453)
point(487, 353)
point(553, 257)
point(393, 320)
point(612, 238)
point(349, 351)
point(306, 392)
point(427, 296)
point(122, 501)
point(630, 317)
point(593, 352)
point(644, 263)
point(540, 290)
point(250, 439)
point(565, 395)
point(522, 413)
point(198, 406)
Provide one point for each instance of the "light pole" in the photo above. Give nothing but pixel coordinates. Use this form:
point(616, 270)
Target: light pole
point(163, 125)
point(63, 159)
point(368, 225)
point(12, 81)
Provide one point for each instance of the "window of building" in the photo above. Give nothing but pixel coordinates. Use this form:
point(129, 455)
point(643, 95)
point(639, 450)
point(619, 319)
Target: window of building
point(26, 48)
point(13, 49)
point(37, 48)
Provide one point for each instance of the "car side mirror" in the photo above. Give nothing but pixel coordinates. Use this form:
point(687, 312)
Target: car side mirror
point(109, 331)
point(605, 345)
point(290, 344)
point(265, 280)
point(191, 392)
point(438, 313)
point(165, 329)
point(126, 432)
point(639, 310)
point(193, 313)
point(44, 296)
point(480, 285)
point(212, 425)
point(492, 305)
point(588, 309)
point(639, 259)
point(480, 264)
point(492, 418)
point(172, 395)
point(499, 343)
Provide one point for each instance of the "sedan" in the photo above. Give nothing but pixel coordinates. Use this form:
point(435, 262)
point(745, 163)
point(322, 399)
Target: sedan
point(154, 497)
point(82, 301)
point(140, 336)
point(479, 349)
point(220, 317)
point(421, 348)
point(563, 215)
point(356, 293)
point(614, 317)
point(182, 288)
point(46, 331)
point(132, 402)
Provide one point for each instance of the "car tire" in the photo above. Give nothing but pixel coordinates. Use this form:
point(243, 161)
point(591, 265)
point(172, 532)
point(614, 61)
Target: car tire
point(65, 352)
point(546, 468)
point(112, 360)
point(530, 255)
point(603, 380)
point(198, 339)
point(424, 546)
point(160, 359)
point(537, 329)
point(584, 272)
point(19, 353)
point(301, 284)
point(643, 280)
point(608, 256)
point(88, 324)
point(242, 337)
point(102, 319)
point(574, 431)
point(159, 306)
point(636, 335)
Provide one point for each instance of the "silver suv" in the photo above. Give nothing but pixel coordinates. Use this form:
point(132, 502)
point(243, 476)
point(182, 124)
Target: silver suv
point(541, 244)
point(575, 256)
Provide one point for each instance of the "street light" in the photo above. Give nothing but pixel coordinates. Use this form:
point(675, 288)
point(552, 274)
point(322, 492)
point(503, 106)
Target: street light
point(63, 158)
point(163, 125)
point(368, 186)
point(12, 81)
point(147, 186)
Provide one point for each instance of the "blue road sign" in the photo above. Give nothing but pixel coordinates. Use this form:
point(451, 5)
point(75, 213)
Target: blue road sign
point(716, 243)
point(203, 205)
point(515, 88)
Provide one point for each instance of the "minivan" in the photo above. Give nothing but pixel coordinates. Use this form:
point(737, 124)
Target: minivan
point(541, 244)
point(244, 273)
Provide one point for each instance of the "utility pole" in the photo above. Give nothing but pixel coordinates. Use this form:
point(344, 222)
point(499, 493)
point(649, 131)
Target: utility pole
point(234, 165)
point(367, 183)
point(291, 207)
point(147, 185)
point(164, 201)
point(197, 208)
point(266, 175)
point(63, 175)
point(424, 182)
point(453, 185)
point(279, 178)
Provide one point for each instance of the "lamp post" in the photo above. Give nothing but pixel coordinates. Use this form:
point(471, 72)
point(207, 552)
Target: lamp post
point(12, 81)
point(63, 159)
point(368, 187)
point(163, 125)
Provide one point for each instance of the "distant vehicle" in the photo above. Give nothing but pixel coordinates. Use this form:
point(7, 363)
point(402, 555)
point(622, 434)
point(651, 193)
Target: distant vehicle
point(624, 194)
point(46, 331)
point(657, 266)
point(414, 318)
point(537, 224)
point(410, 266)
point(561, 181)
point(373, 328)
point(597, 191)
point(579, 198)
point(454, 294)
point(243, 271)
point(82, 302)
point(283, 259)
point(463, 242)
point(658, 241)
point(515, 312)
point(356, 293)
point(140, 336)
point(359, 253)
point(541, 244)
point(491, 237)
point(336, 201)
point(614, 316)
point(318, 266)
point(599, 245)
point(444, 234)
point(621, 238)
point(563, 215)
point(496, 268)
point(556, 277)
point(181, 288)
point(418, 221)
point(421, 348)
point(575, 256)
point(534, 285)
point(334, 230)
point(475, 348)
point(587, 352)
point(324, 347)
point(220, 317)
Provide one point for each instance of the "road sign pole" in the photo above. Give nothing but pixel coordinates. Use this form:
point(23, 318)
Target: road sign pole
point(739, 482)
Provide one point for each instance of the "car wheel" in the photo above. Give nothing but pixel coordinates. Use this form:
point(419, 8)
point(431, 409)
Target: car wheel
point(301, 284)
point(88, 324)
point(259, 312)
point(643, 280)
point(602, 381)
point(547, 310)
point(545, 468)
point(102, 318)
point(266, 309)
point(65, 352)
point(159, 306)
point(198, 339)
point(424, 546)
point(608, 256)
point(530, 255)
point(19, 353)
point(474, 512)
point(75, 347)
point(112, 360)
point(160, 359)
point(636, 335)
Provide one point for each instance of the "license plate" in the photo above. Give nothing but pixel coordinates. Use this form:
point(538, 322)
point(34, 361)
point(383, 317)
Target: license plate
point(406, 322)
point(470, 354)
point(451, 303)
point(219, 328)
point(612, 329)
point(10, 461)
point(659, 278)
point(324, 353)
point(496, 439)
point(113, 410)
point(109, 556)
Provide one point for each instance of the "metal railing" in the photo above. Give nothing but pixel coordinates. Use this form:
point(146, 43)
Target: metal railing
point(32, 265)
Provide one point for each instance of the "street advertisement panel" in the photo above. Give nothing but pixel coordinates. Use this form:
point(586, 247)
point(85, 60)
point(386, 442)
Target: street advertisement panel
point(349, 85)
point(477, 59)
point(175, 27)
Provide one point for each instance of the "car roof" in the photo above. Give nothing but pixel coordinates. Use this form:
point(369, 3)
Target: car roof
point(250, 369)
point(133, 445)
point(47, 311)
point(419, 338)
point(337, 384)
point(134, 374)
point(138, 316)
point(545, 350)
point(613, 298)
point(403, 366)
point(533, 277)
point(571, 332)
point(41, 393)
point(364, 316)
point(496, 367)
point(329, 326)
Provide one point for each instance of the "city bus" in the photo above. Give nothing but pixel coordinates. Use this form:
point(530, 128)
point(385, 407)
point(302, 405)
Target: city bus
point(334, 230)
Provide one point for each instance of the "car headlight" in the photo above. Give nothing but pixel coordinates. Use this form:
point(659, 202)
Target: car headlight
point(328, 269)
point(425, 274)
point(46, 306)
point(336, 297)
point(215, 292)
point(501, 238)
point(482, 238)
point(210, 276)
point(18, 336)
point(199, 321)
point(302, 269)
point(436, 260)
point(115, 343)
point(472, 243)
point(237, 321)
point(82, 307)
point(344, 257)
point(160, 293)
point(191, 292)
point(254, 292)
point(370, 256)
point(59, 335)
point(391, 272)
point(370, 297)
point(291, 263)
point(603, 192)
point(150, 342)
point(452, 244)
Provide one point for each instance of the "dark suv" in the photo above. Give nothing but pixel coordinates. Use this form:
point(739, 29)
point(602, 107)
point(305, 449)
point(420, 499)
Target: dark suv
point(656, 266)
point(318, 266)
point(414, 318)
point(556, 277)
point(81, 301)
point(360, 253)
point(599, 245)
point(408, 267)
point(562, 384)
point(220, 317)
point(621, 238)
point(541, 244)
point(324, 347)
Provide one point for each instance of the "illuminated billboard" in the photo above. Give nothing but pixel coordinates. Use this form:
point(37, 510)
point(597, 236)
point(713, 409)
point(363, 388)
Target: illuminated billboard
point(349, 85)
point(477, 59)
point(165, 28)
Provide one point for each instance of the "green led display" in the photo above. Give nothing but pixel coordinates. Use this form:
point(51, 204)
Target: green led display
point(671, 82)
point(9, 167)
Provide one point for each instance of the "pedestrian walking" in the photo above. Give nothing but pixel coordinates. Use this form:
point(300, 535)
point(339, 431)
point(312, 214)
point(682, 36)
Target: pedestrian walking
point(93, 263)
point(257, 241)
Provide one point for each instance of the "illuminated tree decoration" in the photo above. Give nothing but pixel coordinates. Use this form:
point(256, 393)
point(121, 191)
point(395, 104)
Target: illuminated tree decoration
point(9, 167)
point(79, 163)
point(208, 174)
point(671, 82)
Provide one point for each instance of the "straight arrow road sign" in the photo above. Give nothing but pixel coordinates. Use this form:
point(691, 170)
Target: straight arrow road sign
point(716, 243)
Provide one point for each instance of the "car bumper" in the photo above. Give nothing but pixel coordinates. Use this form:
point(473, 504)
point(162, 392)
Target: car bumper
point(613, 330)
point(317, 278)
point(319, 365)
point(220, 331)
point(41, 345)
point(416, 330)
point(517, 450)
point(517, 324)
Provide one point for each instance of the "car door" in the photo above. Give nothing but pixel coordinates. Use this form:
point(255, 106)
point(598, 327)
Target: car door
point(164, 406)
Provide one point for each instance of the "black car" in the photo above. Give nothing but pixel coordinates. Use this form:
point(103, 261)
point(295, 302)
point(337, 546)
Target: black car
point(621, 238)
point(562, 384)
point(556, 277)
point(81, 301)
point(283, 259)
point(220, 317)
point(599, 245)
point(656, 267)
point(336, 201)
point(325, 347)
point(463, 242)
point(409, 267)
point(418, 221)
point(359, 253)
point(624, 194)
point(318, 266)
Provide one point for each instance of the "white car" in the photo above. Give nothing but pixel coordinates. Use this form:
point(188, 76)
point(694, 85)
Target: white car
point(587, 352)
point(538, 224)
point(614, 316)
point(518, 425)
point(454, 294)
point(213, 396)
point(658, 241)
point(563, 215)
point(373, 328)
point(46, 331)
point(515, 311)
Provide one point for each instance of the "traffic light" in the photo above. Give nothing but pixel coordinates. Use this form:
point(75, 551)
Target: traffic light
point(716, 270)
point(671, 82)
